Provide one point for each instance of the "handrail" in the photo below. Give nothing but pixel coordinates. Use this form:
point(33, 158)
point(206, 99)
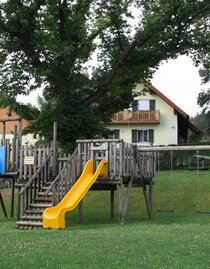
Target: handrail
point(61, 171)
point(35, 175)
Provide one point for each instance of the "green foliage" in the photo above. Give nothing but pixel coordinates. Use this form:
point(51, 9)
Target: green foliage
point(202, 121)
point(51, 44)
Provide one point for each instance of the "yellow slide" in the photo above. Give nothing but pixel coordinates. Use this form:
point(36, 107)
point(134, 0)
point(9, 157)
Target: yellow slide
point(54, 217)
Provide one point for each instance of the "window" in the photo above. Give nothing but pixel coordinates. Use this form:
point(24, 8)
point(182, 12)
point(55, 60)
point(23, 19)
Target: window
point(143, 104)
point(114, 134)
point(142, 136)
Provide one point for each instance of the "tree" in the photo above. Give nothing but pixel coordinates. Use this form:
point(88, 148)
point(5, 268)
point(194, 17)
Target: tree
point(201, 120)
point(51, 43)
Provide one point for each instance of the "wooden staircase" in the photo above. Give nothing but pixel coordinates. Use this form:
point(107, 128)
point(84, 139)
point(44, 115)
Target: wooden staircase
point(37, 195)
point(32, 217)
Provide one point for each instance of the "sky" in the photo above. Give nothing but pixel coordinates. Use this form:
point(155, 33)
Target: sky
point(178, 79)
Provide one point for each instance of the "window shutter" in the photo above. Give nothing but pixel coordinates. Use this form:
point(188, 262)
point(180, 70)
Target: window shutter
point(134, 135)
point(116, 133)
point(152, 104)
point(135, 105)
point(151, 136)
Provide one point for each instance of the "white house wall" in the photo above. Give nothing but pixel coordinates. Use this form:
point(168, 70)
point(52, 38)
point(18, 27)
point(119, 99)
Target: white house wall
point(165, 133)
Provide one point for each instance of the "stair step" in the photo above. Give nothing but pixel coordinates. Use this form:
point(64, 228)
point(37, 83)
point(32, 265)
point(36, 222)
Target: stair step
point(43, 199)
point(29, 223)
point(44, 188)
point(32, 217)
point(41, 205)
point(48, 183)
point(35, 211)
point(44, 194)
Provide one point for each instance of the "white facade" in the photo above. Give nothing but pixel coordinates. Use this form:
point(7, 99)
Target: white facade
point(164, 133)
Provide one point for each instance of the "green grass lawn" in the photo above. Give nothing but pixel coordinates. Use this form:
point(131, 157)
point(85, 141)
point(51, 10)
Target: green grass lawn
point(170, 240)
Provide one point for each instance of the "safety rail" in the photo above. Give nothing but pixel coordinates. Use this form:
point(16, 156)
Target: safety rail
point(35, 184)
point(64, 180)
point(143, 116)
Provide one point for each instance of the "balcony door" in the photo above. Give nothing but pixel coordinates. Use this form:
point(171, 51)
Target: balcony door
point(143, 104)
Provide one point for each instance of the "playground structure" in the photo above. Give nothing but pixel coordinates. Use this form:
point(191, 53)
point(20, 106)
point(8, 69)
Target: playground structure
point(43, 176)
point(123, 160)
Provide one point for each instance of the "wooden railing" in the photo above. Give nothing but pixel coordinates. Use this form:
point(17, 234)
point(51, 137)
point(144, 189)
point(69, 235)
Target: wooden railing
point(143, 116)
point(38, 180)
point(64, 180)
point(119, 155)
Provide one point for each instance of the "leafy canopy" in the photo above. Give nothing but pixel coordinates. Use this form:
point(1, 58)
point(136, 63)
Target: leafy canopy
point(52, 43)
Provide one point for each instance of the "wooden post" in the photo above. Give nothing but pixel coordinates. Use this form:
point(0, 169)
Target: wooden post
point(12, 197)
point(3, 206)
point(54, 148)
point(80, 209)
point(150, 193)
point(120, 193)
point(20, 131)
point(112, 203)
point(125, 207)
point(3, 132)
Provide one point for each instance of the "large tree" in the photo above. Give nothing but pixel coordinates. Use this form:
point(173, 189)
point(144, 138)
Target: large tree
point(52, 43)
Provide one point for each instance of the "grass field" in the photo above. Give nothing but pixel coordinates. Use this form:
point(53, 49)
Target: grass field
point(170, 240)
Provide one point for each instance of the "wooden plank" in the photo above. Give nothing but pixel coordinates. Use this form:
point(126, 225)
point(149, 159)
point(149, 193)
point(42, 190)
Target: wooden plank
point(3, 206)
point(125, 206)
point(8, 152)
point(96, 148)
point(98, 140)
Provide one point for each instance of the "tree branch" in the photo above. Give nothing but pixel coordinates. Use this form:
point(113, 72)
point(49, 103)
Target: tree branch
point(155, 28)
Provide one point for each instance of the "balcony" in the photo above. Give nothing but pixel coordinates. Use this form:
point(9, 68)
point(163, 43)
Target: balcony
point(142, 116)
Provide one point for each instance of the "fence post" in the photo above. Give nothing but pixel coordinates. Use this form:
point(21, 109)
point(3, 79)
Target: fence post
point(54, 147)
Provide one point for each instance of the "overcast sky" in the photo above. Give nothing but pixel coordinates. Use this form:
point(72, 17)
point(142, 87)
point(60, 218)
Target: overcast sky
point(179, 80)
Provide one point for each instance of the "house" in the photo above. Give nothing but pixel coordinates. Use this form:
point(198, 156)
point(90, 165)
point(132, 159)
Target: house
point(10, 123)
point(153, 119)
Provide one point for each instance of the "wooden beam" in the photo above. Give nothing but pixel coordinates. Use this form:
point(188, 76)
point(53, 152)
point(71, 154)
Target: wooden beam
point(6, 120)
point(202, 156)
point(125, 206)
point(55, 127)
point(144, 188)
point(3, 206)
point(173, 148)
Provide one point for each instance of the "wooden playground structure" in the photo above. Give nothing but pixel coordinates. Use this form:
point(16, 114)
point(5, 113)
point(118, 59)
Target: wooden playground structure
point(43, 190)
point(42, 176)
